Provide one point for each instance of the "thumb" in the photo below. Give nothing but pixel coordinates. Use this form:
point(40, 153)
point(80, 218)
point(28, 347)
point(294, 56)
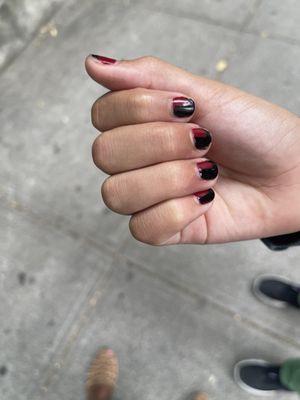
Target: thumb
point(146, 72)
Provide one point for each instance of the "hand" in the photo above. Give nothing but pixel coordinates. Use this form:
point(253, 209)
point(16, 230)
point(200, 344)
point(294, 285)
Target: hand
point(157, 155)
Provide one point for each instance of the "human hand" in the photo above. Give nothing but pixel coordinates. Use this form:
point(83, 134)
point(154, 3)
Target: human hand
point(156, 168)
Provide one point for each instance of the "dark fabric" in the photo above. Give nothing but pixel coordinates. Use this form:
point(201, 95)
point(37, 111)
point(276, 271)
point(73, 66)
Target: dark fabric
point(290, 374)
point(282, 242)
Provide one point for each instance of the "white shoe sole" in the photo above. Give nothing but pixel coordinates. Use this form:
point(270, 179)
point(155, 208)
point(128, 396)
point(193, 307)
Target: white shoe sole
point(243, 385)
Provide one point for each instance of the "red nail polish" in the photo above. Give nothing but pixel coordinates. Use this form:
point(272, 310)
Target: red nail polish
point(205, 197)
point(208, 170)
point(104, 60)
point(202, 138)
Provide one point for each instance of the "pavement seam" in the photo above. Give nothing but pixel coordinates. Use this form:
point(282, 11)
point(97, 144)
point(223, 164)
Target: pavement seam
point(33, 35)
point(230, 27)
point(230, 312)
point(250, 15)
point(58, 358)
point(83, 310)
point(239, 29)
point(51, 225)
point(108, 251)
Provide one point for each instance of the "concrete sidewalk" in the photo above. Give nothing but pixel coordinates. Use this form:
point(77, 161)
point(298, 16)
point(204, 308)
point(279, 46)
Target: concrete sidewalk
point(72, 278)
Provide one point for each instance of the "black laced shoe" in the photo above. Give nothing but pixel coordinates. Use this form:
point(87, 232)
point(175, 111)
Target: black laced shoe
point(276, 291)
point(258, 377)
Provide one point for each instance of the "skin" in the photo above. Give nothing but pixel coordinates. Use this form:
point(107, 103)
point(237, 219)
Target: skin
point(151, 159)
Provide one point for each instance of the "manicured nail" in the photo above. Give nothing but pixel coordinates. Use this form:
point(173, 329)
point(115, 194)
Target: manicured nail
point(104, 60)
point(202, 138)
point(208, 170)
point(183, 107)
point(205, 197)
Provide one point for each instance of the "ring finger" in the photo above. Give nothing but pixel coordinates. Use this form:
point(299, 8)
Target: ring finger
point(132, 191)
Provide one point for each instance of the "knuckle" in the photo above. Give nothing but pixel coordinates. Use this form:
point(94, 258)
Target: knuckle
point(94, 113)
point(136, 228)
point(177, 177)
point(149, 60)
point(98, 112)
point(111, 194)
point(138, 103)
point(97, 115)
point(102, 153)
point(152, 65)
point(176, 214)
point(139, 230)
point(171, 142)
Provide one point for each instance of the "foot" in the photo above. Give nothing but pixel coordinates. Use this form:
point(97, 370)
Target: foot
point(200, 396)
point(276, 291)
point(102, 376)
point(258, 377)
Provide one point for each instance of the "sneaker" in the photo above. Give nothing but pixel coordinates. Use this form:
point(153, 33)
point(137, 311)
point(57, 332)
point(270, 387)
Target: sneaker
point(102, 376)
point(276, 291)
point(258, 377)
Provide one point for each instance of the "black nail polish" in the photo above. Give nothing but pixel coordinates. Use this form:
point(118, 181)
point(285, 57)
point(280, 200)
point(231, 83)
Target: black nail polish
point(202, 138)
point(205, 197)
point(183, 107)
point(208, 170)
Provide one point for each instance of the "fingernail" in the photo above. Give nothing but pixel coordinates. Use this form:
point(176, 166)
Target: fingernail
point(205, 197)
point(183, 107)
point(202, 138)
point(104, 60)
point(208, 170)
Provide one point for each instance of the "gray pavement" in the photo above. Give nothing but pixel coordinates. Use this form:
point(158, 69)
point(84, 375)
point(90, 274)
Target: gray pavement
point(72, 278)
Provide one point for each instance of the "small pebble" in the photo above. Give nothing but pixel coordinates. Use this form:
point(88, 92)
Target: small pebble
point(237, 317)
point(221, 65)
point(49, 29)
point(264, 34)
point(53, 31)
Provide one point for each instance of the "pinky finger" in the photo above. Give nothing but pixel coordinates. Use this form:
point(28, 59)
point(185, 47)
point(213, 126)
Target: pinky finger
point(163, 223)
